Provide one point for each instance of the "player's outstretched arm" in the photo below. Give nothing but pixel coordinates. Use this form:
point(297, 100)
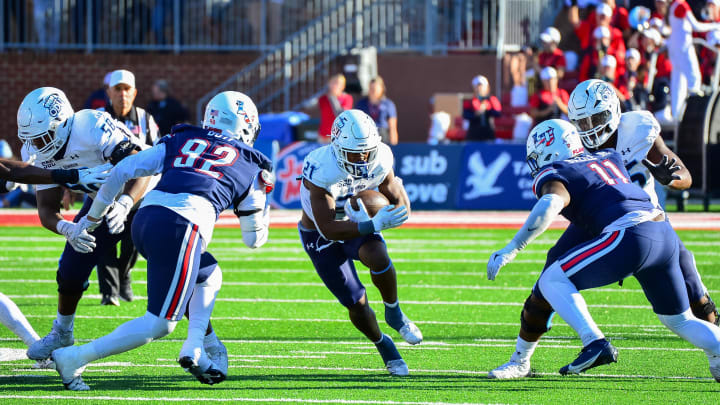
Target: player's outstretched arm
point(553, 198)
point(23, 172)
point(253, 211)
point(655, 156)
point(392, 188)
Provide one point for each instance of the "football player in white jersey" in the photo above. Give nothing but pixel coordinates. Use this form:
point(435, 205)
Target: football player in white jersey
point(356, 160)
point(57, 137)
point(595, 110)
point(12, 172)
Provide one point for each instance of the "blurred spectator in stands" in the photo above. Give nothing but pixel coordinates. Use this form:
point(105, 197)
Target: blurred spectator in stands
point(631, 84)
point(712, 11)
point(381, 109)
point(619, 18)
point(166, 110)
point(439, 126)
point(162, 18)
point(603, 46)
point(551, 55)
point(99, 98)
point(660, 10)
point(47, 15)
point(18, 195)
point(685, 78)
point(550, 101)
point(608, 69)
point(517, 66)
point(480, 111)
point(331, 104)
point(659, 68)
point(579, 10)
point(708, 57)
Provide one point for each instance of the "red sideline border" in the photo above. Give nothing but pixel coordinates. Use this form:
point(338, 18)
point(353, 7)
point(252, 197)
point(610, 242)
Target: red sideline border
point(418, 219)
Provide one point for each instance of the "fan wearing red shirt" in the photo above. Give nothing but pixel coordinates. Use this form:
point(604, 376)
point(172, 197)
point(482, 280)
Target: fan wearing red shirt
point(480, 111)
point(551, 101)
point(551, 55)
point(603, 46)
point(331, 104)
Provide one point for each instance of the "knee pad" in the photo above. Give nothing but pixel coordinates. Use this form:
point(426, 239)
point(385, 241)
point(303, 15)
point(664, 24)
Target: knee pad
point(71, 287)
point(704, 310)
point(536, 315)
point(213, 277)
point(159, 327)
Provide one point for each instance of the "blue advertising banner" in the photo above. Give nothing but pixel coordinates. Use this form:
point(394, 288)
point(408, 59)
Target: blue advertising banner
point(288, 167)
point(430, 174)
point(494, 177)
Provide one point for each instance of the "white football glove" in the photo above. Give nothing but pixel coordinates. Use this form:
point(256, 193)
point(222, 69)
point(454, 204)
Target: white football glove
point(95, 175)
point(389, 216)
point(117, 215)
point(359, 215)
point(500, 259)
point(77, 235)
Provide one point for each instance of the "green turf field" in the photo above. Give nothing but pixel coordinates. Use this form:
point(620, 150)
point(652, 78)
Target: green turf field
point(289, 341)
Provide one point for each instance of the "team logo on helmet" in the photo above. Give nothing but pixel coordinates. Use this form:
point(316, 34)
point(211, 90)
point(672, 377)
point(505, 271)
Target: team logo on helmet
point(241, 111)
point(53, 103)
point(604, 93)
point(547, 137)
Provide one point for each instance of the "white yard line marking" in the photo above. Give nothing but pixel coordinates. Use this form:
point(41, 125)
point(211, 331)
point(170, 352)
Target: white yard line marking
point(179, 399)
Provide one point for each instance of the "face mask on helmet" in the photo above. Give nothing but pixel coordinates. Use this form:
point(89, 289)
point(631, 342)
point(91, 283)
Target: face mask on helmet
point(355, 140)
point(357, 163)
point(593, 129)
point(39, 116)
point(233, 114)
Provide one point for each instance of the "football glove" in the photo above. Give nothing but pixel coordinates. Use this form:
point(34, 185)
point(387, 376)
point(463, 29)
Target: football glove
point(359, 215)
point(77, 236)
point(96, 175)
point(664, 172)
point(500, 259)
point(388, 217)
point(118, 213)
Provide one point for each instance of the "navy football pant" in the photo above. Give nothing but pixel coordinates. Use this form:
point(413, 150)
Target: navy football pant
point(649, 251)
point(574, 236)
point(172, 246)
point(333, 262)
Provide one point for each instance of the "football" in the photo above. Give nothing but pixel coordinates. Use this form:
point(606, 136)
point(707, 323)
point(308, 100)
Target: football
point(373, 201)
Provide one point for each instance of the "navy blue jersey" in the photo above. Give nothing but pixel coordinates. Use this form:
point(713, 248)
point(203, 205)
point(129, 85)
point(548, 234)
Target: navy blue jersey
point(600, 189)
point(204, 163)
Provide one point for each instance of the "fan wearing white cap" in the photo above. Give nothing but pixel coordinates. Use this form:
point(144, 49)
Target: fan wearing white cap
point(550, 101)
point(601, 17)
point(603, 45)
point(481, 110)
point(685, 77)
point(551, 55)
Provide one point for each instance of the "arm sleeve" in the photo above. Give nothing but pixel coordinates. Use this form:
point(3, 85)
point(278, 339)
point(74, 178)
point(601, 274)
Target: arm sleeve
point(543, 213)
point(254, 225)
point(696, 25)
point(145, 163)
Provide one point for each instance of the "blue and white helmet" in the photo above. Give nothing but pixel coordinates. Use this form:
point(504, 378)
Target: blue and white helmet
point(551, 141)
point(594, 109)
point(233, 114)
point(38, 117)
point(354, 132)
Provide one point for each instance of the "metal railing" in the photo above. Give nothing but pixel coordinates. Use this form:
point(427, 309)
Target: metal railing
point(429, 26)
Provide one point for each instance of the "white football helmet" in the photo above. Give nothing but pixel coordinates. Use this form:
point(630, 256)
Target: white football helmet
point(38, 117)
point(233, 114)
point(551, 141)
point(594, 108)
point(354, 132)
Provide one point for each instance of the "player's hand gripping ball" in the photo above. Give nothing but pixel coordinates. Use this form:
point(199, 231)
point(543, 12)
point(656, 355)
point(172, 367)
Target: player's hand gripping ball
point(373, 201)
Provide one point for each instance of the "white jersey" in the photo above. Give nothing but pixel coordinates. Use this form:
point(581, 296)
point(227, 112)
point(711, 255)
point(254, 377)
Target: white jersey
point(91, 138)
point(636, 135)
point(321, 169)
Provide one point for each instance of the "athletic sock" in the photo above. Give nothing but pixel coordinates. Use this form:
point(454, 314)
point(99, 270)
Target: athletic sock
point(394, 316)
point(387, 349)
point(523, 350)
point(65, 322)
point(200, 309)
point(13, 319)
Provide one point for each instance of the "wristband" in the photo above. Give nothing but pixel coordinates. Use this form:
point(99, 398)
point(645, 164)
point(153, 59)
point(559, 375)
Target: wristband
point(61, 176)
point(366, 227)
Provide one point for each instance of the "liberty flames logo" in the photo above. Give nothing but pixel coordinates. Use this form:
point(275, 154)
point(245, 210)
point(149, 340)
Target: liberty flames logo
point(547, 137)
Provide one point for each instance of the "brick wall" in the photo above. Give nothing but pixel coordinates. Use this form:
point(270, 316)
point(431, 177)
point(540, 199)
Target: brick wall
point(190, 75)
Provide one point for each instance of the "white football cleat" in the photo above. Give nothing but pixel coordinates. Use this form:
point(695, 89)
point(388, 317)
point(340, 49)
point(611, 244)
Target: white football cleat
point(714, 366)
point(70, 368)
point(397, 368)
point(510, 370)
point(411, 333)
point(57, 338)
point(217, 353)
point(46, 364)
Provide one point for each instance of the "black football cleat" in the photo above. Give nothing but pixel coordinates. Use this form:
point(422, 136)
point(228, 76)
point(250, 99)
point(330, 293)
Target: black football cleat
point(210, 376)
point(595, 354)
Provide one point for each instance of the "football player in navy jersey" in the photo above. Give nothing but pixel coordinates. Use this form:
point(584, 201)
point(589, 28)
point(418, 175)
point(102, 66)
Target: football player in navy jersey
point(12, 172)
point(594, 109)
point(204, 171)
point(594, 192)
